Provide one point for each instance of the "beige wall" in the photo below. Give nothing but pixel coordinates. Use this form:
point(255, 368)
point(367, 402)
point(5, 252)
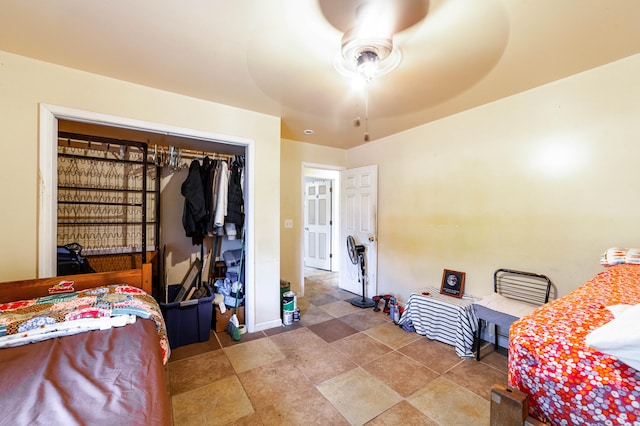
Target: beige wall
point(543, 181)
point(25, 83)
point(294, 154)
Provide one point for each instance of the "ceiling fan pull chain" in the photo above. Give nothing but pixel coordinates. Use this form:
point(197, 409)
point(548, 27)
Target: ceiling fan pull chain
point(366, 111)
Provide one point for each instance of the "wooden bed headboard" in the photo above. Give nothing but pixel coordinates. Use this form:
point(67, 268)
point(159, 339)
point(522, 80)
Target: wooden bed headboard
point(29, 289)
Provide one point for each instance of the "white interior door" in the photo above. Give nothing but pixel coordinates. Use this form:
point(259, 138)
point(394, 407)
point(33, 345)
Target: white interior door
point(359, 197)
point(317, 226)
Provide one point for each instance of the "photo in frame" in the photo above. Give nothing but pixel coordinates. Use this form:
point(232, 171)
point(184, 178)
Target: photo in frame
point(452, 283)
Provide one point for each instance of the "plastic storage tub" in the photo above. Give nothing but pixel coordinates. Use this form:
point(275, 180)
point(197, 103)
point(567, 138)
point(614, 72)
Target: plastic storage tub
point(187, 322)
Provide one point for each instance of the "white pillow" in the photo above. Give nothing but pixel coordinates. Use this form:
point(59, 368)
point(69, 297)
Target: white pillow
point(619, 337)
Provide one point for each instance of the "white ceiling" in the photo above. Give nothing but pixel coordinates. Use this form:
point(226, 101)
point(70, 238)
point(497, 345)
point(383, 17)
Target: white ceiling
point(276, 56)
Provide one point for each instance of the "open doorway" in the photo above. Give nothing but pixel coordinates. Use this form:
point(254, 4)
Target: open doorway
point(321, 226)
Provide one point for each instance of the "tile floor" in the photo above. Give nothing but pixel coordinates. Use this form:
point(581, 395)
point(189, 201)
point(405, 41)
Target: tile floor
point(339, 365)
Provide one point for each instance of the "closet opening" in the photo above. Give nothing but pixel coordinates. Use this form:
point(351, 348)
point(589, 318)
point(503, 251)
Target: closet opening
point(164, 202)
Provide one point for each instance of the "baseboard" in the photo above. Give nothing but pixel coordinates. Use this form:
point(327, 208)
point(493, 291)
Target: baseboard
point(267, 325)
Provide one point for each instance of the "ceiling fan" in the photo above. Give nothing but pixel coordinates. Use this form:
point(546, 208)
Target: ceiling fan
point(369, 26)
point(367, 50)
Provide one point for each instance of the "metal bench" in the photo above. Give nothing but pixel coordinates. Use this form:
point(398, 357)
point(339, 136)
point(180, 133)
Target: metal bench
point(523, 289)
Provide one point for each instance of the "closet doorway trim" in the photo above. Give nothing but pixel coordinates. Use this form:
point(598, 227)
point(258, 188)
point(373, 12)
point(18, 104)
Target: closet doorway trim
point(48, 179)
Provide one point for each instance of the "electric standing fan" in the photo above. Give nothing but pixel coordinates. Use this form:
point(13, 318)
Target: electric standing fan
point(356, 255)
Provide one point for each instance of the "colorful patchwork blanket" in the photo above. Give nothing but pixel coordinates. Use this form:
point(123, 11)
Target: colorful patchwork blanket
point(100, 308)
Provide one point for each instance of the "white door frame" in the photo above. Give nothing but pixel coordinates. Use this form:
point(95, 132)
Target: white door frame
point(335, 208)
point(48, 182)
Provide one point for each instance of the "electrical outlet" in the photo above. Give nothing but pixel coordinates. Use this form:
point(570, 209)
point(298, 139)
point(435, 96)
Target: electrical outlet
point(288, 223)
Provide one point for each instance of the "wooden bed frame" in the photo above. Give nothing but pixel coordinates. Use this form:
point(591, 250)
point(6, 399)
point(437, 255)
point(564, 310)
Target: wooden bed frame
point(29, 289)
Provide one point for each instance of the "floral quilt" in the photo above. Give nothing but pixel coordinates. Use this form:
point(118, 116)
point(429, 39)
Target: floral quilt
point(63, 314)
point(568, 381)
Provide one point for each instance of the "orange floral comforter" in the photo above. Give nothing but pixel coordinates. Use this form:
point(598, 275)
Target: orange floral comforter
point(568, 381)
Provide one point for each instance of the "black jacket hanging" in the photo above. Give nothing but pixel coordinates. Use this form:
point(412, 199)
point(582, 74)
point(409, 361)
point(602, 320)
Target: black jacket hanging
point(235, 204)
point(207, 181)
point(194, 214)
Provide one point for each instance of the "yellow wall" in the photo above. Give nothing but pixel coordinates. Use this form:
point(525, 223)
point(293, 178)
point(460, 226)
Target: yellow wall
point(542, 181)
point(294, 154)
point(25, 83)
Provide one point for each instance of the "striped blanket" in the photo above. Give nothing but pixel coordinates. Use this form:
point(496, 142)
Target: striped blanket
point(443, 318)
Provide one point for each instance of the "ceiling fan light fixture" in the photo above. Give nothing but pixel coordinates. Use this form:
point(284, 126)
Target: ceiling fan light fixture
point(355, 41)
point(376, 59)
point(367, 54)
point(367, 63)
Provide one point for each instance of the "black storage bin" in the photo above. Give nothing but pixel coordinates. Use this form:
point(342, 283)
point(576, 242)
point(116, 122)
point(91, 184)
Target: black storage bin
point(187, 322)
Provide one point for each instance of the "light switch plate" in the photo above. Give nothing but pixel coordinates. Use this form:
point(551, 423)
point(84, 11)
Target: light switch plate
point(288, 223)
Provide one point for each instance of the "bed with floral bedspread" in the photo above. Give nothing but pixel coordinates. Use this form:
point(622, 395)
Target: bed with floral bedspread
point(568, 381)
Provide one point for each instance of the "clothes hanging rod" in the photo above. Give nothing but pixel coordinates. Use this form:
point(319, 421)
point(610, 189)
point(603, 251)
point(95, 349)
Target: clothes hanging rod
point(109, 144)
point(200, 154)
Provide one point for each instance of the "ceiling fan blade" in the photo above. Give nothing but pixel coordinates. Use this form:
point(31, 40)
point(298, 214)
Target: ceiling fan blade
point(401, 14)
